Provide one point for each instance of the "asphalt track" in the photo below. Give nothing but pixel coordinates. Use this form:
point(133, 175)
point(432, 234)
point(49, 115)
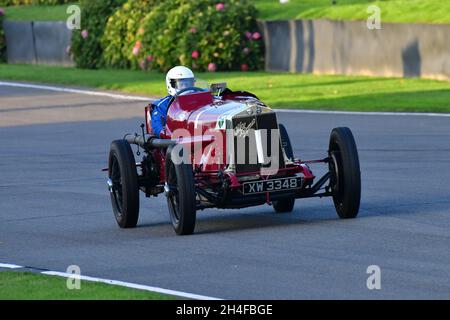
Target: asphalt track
point(55, 210)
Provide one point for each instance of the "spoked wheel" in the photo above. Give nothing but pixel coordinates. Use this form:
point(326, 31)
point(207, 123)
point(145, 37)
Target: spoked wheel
point(180, 192)
point(345, 173)
point(123, 184)
point(285, 205)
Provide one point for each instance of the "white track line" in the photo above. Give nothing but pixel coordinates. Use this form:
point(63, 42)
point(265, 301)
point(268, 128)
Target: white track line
point(10, 266)
point(140, 98)
point(79, 91)
point(116, 283)
point(131, 285)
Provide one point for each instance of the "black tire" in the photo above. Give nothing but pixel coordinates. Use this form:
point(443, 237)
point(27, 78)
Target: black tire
point(125, 188)
point(181, 199)
point(285, 205)
point(346, 174)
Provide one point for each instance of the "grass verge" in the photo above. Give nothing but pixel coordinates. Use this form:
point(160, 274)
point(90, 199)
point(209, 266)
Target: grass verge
point(32, 286)
point(411, 11)
point(37, 13)
point(278, 90)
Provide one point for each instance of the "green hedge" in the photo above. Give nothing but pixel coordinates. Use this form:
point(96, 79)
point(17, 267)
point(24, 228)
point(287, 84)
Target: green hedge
point(2, 37)
point(121, 31)
point(159, 34)
point(36, 2)
point(51, 2)
point(86, 45)
point(204, 35)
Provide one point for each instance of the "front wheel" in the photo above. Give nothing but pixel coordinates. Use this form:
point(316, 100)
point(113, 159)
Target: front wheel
point(180, 192)
point(123, 184)
point(345, 173)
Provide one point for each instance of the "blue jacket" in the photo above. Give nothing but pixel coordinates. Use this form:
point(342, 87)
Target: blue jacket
point(159, 114)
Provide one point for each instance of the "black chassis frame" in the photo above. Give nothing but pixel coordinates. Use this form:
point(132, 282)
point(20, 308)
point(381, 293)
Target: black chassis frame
point(223, 197)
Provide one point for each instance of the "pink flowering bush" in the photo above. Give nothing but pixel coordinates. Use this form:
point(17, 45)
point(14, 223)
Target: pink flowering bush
point(205, 35)
point(84, 34)
point(212, 67)
point(195, 54)
point(124, 27)
point(256, 36)
point(137, 48)
point(220, 6)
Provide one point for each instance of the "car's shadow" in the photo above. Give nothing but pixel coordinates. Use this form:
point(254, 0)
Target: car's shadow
point(241, 222)
point(219, 221)
point(211, 221)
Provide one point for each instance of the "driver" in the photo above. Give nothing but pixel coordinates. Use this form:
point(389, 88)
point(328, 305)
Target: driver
point(178, 78)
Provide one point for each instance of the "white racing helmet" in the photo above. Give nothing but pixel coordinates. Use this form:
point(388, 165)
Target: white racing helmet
point(179, 78)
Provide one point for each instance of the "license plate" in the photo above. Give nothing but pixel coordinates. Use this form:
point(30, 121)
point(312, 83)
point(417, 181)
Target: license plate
point(272, 185)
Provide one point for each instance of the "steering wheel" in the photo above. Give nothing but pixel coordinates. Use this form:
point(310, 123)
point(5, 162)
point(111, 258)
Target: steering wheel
point(193, 89)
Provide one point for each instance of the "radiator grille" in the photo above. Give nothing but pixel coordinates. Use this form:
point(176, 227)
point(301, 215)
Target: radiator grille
point(245, 142)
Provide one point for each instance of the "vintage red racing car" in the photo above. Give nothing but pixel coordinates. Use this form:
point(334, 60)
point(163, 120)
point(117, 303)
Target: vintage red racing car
point(225, 149)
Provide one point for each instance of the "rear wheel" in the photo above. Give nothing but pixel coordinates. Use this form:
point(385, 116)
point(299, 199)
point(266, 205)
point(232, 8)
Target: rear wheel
point(180, 192)
point(345, 173)
point(285, 205)
point(123, 184)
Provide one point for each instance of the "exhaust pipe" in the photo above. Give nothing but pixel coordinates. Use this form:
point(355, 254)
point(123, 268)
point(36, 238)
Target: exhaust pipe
point(150, 142)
